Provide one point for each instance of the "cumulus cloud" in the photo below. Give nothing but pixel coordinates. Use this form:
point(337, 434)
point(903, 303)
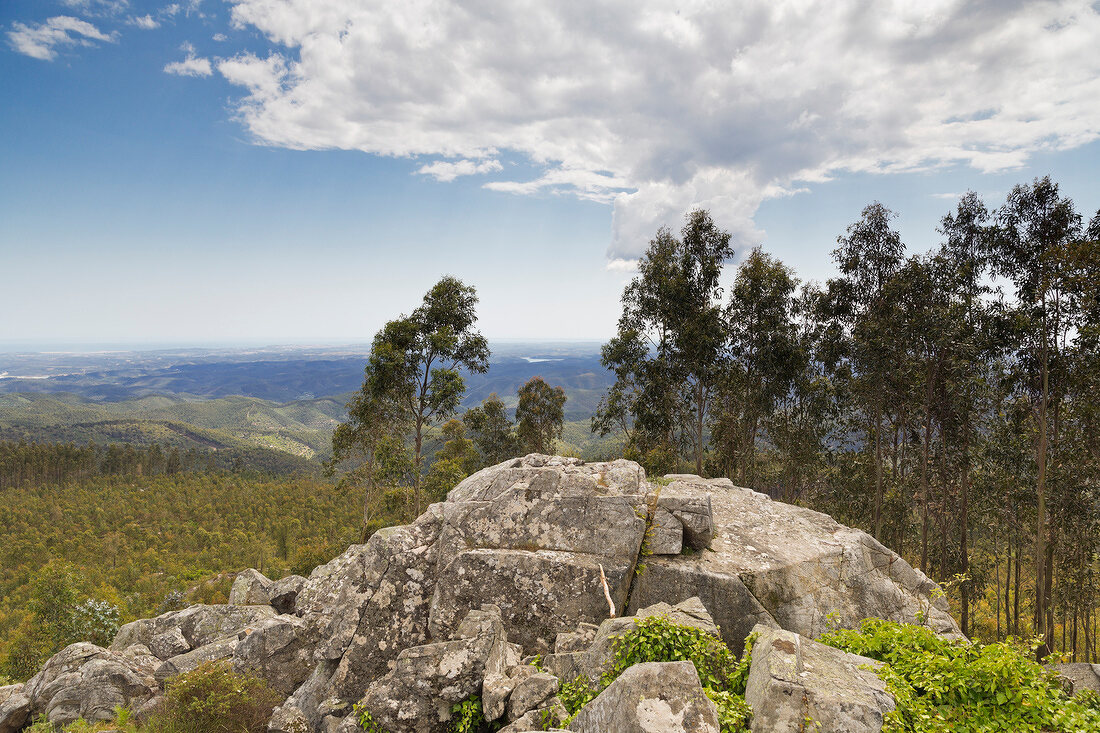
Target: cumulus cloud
point(445, 171)
point(656, 106)
point(191, 66)
point(41, 40)
point(145, 22)
point(220, 37)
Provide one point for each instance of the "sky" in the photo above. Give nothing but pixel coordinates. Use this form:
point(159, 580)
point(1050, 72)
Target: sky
point(287, 171)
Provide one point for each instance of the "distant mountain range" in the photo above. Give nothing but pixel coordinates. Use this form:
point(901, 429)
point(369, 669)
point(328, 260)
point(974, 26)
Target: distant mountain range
point(275, 399)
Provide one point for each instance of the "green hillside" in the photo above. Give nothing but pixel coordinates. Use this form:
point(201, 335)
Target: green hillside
point(301, 429)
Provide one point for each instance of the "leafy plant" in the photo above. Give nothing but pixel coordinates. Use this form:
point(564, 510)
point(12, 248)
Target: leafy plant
point(942, 685)
point(657, 639)
point(468, 716)
point(214, 698)
point(366, 720)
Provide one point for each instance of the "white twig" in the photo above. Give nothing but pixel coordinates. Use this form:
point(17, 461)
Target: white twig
point(607, 592)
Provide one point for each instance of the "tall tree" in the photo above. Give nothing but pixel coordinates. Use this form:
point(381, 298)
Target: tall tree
point(1035, 229)
point(762, 359)
point(413, 377)
point(492, 432)
point(666, 353)
point(540, 415)
point(869, 258)
point(964, 257)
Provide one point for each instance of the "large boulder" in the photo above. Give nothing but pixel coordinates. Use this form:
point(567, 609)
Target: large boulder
point(215, 651)
point(426, 681)
point(793, 680)
point(15, 707)
point(1079, 676)
point(653, 697)
point(785, 567)
point(279, 650)
point(178, 632)
point(250, 588)
point(87, 681)
point(531, 536)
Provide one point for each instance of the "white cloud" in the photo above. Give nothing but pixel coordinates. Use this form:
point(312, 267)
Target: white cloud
point(191, 66)
point(170, 10)
point(446, 171)
point(219, 37)
point(97, 7)
point(658, 106)
point(145, 22)
point(41, 40)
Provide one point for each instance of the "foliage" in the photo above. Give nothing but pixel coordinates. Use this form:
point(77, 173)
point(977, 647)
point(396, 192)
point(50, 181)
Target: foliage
point(456, 460)
point(366, 720)
point(94, 621)
point(539, 415)
point(943, 685)
point(56, 619)
point(763, 363)
point(412, 381)
point(469, 718)
point(214, 698)
point(657, 639)
point(665, 353)
point(492, 432)
point(147, 545)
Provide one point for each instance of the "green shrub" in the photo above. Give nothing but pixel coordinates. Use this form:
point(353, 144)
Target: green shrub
point(657, 639)
point(212, 698)
point(469, 718)
point(942, 685)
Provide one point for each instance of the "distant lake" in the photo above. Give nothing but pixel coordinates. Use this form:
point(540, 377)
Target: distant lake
point(536, 360)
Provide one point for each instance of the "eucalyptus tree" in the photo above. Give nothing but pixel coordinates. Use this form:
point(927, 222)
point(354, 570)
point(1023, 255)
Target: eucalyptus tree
point(869, 257)
point(540, 415)
point(804, 415)
point(761, 361)
point(964, 257)
point(665, 355)
point(1036, 229)
point(413, 376)
point(492, 432)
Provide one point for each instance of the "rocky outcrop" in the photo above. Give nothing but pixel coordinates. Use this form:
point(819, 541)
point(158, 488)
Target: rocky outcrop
point(417, 695)
point(531, 554)
point(178, 632)
point(655, 697)
point(785, 567)
point(1078, 676)
point(87, 681)
point(252, 588)
point(15, 708)
point(793, 681)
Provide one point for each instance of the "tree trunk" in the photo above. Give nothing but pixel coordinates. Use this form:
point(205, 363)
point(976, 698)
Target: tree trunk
point(700, 412)
point(924, 488)
point(878, 475)
point(1041, 524)
point(418, 462)
point(1016, 591)
point(964, 563)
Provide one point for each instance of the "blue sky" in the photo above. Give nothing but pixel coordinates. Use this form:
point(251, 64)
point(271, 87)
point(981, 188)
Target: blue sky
point(284, 170)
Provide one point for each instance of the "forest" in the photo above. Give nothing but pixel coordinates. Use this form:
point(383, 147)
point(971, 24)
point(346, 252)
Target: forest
point(947, 402)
